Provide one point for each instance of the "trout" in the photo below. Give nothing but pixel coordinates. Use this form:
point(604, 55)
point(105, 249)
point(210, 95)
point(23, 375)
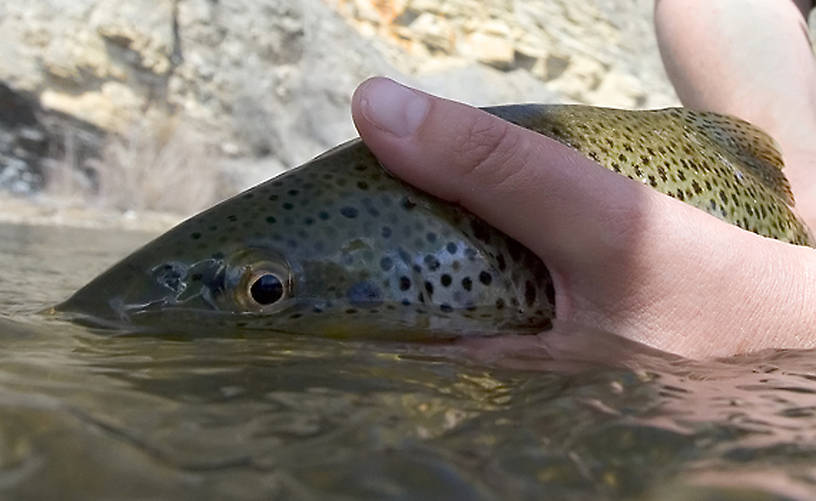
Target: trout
point(339, 247)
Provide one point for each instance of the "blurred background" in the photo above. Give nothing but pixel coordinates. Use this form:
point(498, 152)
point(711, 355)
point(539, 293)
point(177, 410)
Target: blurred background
point(138, 113)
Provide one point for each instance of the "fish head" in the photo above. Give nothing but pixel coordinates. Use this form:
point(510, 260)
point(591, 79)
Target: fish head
point(338, 248)
point(255, 285)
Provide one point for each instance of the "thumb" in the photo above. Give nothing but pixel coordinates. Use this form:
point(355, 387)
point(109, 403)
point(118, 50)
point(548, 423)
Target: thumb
point(542, 193)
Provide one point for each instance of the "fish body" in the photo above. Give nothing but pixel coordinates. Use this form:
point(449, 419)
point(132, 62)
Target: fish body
point(339, 247)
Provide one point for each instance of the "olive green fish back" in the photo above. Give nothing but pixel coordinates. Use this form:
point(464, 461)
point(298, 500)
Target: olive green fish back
point(720, 164)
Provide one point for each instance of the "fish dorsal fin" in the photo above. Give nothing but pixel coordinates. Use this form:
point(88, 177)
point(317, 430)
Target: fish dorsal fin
point(757, 151)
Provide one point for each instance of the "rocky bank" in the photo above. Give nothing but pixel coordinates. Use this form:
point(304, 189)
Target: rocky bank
point(122, 104)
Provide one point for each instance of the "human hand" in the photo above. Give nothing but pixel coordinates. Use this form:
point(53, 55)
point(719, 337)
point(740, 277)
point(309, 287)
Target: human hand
point(623, 257)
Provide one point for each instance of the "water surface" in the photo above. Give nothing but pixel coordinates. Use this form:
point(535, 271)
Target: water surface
point(87, 415)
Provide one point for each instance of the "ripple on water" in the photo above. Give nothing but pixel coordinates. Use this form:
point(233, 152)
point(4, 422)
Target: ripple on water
point(91, 416)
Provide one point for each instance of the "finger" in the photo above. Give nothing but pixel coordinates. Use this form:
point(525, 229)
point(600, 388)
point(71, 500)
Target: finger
point(546, 195)
point(623, 257)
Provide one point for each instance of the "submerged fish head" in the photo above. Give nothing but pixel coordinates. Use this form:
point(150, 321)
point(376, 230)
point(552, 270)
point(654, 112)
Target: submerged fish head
point(337, 248)
point(249, 285)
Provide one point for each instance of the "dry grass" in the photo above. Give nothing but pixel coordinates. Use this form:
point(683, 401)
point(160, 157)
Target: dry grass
point(66, 180)
point(160, 165)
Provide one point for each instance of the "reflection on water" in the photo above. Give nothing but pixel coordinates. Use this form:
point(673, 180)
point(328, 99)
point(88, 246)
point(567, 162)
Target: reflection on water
point(84, 415)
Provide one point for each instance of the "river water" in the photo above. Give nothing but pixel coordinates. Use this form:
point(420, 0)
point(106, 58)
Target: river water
point(86, 415)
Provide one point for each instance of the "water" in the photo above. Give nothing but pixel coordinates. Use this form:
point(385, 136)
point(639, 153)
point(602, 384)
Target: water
point(85, 415)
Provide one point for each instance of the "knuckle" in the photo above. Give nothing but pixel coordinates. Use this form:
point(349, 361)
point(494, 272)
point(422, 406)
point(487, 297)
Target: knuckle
point(491, 151)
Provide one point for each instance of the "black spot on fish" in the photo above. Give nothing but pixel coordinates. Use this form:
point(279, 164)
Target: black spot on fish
point(451, 247)
point(529, 293)
point(323, 215)
point(445, 307)
point(405, 283)
point(293, 193)
point(500, 304)
point(349, 212)
point(430, 237)
point(195, 236)
point(429, 288)
point(445, 280)
point(232, 217)
point(485, 278)
point(386, 231)
point(480, 230)
point(362, 185)
point(431, 262)
point(271, 220)
point(407, 203)
point(501, 262)
point(467, 283)
point(287, 206)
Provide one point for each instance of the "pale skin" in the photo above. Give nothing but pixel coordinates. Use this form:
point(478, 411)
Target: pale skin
point(751, 59)
point(624, 258)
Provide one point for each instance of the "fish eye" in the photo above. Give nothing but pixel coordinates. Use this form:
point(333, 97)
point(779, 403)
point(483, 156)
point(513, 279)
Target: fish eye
point(254, 281)
point(266, 289)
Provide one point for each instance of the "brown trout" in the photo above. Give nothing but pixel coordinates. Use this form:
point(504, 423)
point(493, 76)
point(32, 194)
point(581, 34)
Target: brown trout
point(339, 247)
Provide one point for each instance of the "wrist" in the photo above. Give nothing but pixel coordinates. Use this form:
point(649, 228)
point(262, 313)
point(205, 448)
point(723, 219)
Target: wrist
point(779, 307)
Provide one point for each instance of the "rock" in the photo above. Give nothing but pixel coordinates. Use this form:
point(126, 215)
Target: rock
point(490, 49)
point(267, 85)
point(113, 107)
point(34, 142)
point(484, 86)
point(433, 31)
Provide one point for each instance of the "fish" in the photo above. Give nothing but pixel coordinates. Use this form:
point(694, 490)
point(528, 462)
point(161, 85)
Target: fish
point(339, 247)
